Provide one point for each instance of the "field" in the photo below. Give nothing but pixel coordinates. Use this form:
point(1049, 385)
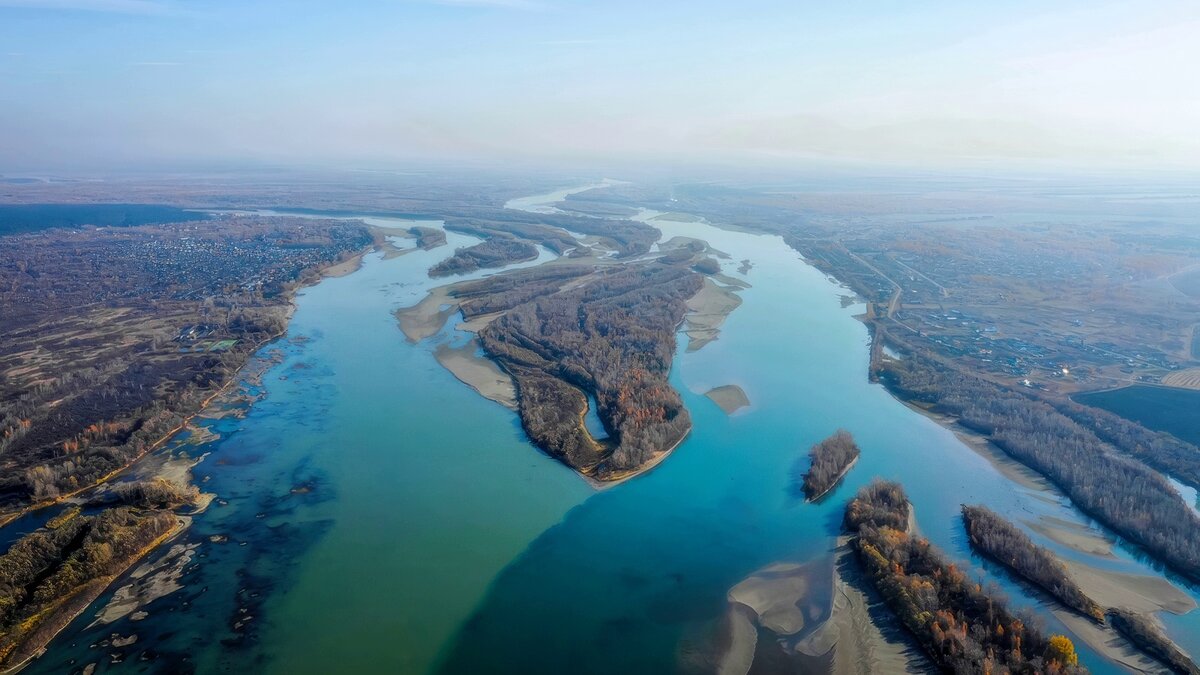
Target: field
point(16, 218)
point(1159, 408)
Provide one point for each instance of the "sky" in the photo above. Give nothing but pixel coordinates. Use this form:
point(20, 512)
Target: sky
point(926, 83)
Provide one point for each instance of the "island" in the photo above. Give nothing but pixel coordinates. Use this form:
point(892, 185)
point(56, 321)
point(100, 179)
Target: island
point(611, 339)
point(829, 462)
point(490, 253)
point(1000, 540)
point(963, 627)
point(1149, 637)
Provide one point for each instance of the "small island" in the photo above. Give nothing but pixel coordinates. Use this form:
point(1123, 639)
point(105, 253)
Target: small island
point(963, 627)
point(427, 237)
point(829, 462)
point(1143, 632)
point(1000, 540)
point(495, 252)
point(729, 397)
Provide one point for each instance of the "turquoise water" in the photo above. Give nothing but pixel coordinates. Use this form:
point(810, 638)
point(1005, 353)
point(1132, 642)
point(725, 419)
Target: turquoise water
point(382, 517)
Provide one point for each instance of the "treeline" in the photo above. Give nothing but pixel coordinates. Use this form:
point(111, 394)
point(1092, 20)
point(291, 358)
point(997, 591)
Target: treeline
point(1000, 540)
point(1130, 498)
point(829, 461)
point(613, 337)
point(73, 560)
point(964, 628)
point(495, 252)
point(1142, 632)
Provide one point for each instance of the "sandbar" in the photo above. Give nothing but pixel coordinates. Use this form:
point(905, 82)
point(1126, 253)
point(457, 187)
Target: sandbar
point(729, 397)
point(707, 310)
point(478, 372)
point(427, 317)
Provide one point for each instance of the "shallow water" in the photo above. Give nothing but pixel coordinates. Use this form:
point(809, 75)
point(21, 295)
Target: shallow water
point(384, 517)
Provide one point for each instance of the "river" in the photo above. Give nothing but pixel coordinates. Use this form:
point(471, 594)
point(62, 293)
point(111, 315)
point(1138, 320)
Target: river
point(382, 517)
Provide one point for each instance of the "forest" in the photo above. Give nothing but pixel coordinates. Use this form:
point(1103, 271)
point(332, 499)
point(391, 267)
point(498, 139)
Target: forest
point(829, 461)
point(1148, 637)
point(964, 627)
point(50, 573)
point(493, 252)
point(502, 292)
point(1124, 494)
point(612, 337)
point(1000, 540)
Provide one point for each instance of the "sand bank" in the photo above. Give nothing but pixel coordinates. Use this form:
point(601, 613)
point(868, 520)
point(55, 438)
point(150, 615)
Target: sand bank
point(707, 310)
point(729, 397)
point(478, 372)
point(149, 582)
point(1072, 535)
point(427, 317)
point(1108, 643)
point(1140, 593)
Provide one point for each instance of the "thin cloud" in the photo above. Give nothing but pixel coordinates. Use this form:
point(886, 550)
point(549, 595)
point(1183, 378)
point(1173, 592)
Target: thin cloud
point(571, 43)
point(497, 4)
point(103, 6)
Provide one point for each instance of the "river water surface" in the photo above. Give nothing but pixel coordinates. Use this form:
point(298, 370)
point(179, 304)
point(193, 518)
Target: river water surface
point(382, 517)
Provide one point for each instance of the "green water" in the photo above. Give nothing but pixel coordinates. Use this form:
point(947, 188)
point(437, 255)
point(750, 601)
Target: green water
point(430, 536)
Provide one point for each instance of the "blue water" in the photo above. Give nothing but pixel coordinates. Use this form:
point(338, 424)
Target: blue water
point(382, 517)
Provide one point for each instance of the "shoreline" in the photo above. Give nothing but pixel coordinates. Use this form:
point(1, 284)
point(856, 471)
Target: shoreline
point(601, 485)
point(836, 481)
point(82, 599)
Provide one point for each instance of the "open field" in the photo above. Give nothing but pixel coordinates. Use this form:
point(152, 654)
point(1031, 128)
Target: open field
point(1161, 408)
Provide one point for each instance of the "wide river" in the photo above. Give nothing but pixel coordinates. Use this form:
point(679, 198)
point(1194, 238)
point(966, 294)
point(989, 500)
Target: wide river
point(377, 515)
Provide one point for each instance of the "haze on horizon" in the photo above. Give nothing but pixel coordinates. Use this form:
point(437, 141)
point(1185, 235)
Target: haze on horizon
point(931, 83)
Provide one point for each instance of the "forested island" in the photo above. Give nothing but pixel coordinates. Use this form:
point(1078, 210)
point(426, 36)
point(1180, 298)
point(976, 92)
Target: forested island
point(490, 253)
point(613, 338)
point(829, 461)
point(1003, 542)
point(1121, 492)
point(428, 237)
point(1148, 637)
point(963, 627)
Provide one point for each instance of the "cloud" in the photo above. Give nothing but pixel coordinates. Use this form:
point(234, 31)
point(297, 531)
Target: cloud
point(570, 43)
point(106, 6)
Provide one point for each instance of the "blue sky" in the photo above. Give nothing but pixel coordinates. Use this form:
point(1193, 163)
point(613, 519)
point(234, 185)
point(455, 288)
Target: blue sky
point(925, 83)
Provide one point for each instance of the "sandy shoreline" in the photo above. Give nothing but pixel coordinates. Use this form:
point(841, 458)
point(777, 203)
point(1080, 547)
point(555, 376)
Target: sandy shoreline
point(478, 372)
